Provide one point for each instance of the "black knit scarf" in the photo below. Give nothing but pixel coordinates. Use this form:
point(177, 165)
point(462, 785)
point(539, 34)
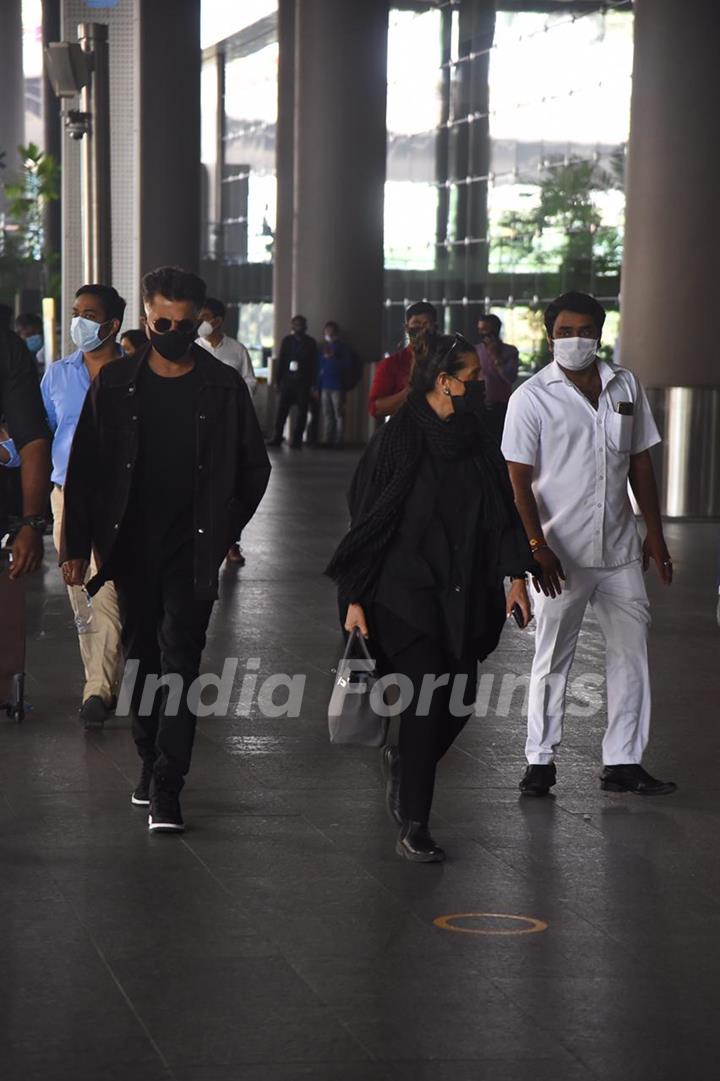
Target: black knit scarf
point(357, 561)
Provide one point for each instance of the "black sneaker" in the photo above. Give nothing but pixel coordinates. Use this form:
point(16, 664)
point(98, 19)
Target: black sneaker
point(633, 778)
point(165, 815)
point(94, 712)
point(538, 780)
point(141, 795)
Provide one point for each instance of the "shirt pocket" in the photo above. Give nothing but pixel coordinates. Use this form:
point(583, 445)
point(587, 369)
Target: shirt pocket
point(620, 432)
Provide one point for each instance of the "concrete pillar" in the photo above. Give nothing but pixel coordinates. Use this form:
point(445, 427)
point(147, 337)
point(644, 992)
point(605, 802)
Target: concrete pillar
point(284, 168)
point(671, 263)
point(12, 89)
point(170, 169)
point(339, 174)
point(52, 125)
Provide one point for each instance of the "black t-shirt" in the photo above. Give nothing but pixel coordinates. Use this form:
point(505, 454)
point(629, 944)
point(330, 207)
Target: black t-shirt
point(160, 511)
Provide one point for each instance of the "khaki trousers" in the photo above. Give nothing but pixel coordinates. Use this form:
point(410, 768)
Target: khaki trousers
point(100, 647)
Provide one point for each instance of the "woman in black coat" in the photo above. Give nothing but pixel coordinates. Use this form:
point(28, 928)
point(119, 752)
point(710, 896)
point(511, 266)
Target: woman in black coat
point(434, 532)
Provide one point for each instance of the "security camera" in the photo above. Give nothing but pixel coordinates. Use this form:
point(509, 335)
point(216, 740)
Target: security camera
point(68, 67)
point(77, 123)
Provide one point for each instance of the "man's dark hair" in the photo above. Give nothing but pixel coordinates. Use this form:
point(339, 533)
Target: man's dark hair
point(215, 306)
point(296, 317)
point(29, 321)
point(334, 325)
point(421, 307)
point(136, 337)
point(113, 304)
point(493, 321)
point(174, 283)
point(582, 303)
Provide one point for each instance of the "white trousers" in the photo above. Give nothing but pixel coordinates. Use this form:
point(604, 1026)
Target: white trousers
point(100, 650)
point(618, 598)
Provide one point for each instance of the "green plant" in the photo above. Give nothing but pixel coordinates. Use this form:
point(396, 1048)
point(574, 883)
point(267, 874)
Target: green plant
point(23, 247)
point(564, 234)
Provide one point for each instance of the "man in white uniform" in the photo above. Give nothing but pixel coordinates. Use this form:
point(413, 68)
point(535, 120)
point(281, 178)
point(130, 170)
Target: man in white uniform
point(211, 336)
point(574, 435)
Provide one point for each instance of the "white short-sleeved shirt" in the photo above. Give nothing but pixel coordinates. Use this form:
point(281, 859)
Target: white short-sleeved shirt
point(581, 457)
point(234, 353)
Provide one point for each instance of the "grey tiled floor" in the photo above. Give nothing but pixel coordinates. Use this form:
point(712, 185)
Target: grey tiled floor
point(281, 939)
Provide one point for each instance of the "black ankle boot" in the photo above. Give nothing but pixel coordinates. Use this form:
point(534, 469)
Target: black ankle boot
point(391, 773)
point(415, 843)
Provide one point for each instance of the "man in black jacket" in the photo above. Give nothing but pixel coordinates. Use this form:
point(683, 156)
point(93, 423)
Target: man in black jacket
point(24, 418)
point(167, 467)
point(296, 380)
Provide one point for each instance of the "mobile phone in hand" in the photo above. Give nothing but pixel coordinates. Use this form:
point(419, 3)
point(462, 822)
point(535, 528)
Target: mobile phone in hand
point(516, 612)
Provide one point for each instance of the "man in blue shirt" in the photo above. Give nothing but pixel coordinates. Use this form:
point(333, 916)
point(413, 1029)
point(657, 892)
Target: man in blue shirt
point(97, 317)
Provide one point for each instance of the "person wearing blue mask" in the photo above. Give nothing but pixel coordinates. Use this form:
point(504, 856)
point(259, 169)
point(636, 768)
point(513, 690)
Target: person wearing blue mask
point(97, 316)
point(30, 328)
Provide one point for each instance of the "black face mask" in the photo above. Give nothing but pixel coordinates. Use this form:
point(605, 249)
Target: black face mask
point(473, 400)
point(174, 345)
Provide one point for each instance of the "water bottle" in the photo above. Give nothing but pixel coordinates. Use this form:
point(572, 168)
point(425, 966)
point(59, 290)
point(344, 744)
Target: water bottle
point(83, 613)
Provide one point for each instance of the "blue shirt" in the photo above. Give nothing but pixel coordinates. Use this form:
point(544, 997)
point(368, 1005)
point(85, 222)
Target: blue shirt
point(333, 368)
point(63, 388)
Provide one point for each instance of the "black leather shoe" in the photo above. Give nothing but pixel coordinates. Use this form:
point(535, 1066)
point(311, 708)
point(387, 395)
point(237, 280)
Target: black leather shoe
point(415, 843)
point(633, 778)
point(94, 712)
point(391, 773)
point(538, 780)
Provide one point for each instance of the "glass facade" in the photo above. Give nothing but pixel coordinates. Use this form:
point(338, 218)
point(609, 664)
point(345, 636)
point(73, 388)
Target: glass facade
point(505, 162)
point(239, 115)
point(505, 169)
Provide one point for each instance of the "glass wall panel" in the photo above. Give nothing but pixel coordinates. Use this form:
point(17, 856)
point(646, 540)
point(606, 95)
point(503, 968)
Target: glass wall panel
point(239, 116)
point(527, 148)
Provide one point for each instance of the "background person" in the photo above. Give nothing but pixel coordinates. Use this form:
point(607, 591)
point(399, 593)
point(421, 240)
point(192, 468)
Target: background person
point(499, 363)
point(23, 416)
point(132, 340)
point(212, 336)
point(296, 379)
point(434, 532)
point(30, 328)
point(391, 383)
point(168, 464)
point(97, 316)
point(575, 434)
point(334, 372)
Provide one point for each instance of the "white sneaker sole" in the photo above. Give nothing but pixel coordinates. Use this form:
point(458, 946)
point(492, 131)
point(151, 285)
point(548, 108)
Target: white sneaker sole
point(139, 802)
point(164, 827)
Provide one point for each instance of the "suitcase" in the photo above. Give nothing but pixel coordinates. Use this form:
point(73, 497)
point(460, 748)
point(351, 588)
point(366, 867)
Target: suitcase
point(12, 641)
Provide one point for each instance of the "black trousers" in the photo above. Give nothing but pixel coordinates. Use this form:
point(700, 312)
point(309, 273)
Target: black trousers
point(426, 735)
point(163, 629)
point(292, 393)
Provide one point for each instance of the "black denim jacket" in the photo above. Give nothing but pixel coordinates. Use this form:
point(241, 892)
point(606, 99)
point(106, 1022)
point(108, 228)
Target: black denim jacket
point(232, 466)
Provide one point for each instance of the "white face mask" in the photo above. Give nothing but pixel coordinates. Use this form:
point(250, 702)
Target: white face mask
point(575, 354)
point(205, 329)
point(85, 333)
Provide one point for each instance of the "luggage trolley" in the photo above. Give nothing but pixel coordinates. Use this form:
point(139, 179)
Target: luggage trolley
point(12, 641)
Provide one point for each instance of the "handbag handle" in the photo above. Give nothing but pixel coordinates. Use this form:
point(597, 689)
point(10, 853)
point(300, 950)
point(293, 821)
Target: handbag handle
point(354, 637)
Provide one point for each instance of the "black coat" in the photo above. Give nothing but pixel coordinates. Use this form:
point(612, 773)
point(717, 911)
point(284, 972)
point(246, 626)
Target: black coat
point(231, 476)
point(22, 412)
point(305, 351)
point(442, 574)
